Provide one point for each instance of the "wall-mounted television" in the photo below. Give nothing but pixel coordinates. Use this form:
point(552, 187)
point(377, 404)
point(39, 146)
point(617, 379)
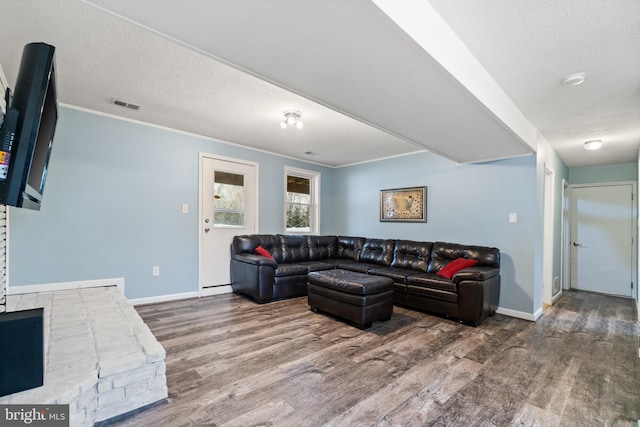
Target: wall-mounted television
point(28, 128)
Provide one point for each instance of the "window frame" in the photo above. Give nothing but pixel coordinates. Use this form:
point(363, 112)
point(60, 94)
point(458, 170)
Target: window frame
point(242, 211)
point(314, 207)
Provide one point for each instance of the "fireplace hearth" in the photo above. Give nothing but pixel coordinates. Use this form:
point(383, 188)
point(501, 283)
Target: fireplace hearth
point(101, 359)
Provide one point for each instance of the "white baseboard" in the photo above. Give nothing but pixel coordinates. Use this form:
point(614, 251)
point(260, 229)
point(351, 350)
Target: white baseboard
point(556, 297)
point(50, 287)
point(215, 290)
point(538, 314)
point(163, 298)
point(520, 314)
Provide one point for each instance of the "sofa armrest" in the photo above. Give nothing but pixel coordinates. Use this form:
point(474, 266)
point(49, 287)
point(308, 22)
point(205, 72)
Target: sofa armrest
point(478, 273)
point(478, 299)
point(255, 259)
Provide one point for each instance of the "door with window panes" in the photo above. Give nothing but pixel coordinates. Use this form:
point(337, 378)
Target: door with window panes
point(228, 208)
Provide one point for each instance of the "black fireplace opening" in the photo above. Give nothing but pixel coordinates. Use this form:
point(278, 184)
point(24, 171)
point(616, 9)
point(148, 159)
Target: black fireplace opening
point(21, 350)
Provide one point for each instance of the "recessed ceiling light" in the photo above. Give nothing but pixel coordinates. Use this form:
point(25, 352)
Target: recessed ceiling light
point(574, 79)
point(594, 144)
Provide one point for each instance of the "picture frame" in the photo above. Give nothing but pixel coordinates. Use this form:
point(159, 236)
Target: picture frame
point(403, 204)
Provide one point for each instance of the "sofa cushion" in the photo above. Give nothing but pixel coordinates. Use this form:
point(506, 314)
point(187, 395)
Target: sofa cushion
point(262, 251)
point(322, 247)
point(456, 265)
point(360, 267)
point(443, 253)
point(294, 248)
point(316, 265)
point(432, 293)
point(398, 275)
point(431, 280)
point(377, 251)
point(337, 262)
point(349, 247)
point(412, 255)
point(249, 243)
point(290, 270)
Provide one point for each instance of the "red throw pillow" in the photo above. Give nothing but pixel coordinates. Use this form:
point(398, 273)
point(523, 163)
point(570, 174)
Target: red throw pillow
point(456, 265)
point(262, 251)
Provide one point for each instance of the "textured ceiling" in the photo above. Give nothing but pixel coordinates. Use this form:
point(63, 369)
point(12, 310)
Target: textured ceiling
point(349, 56)
point(367, 85)
point(100, 56)
point(530, 46)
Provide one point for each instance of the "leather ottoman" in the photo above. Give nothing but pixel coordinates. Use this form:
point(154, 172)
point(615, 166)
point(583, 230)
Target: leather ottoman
point(357, 297)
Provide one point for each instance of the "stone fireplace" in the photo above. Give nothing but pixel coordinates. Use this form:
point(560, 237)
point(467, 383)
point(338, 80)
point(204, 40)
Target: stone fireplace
point(100, 357)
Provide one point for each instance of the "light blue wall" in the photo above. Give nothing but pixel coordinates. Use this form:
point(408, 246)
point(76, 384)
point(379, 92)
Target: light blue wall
point(606, 173)
point(113, 197)
point(112, 206)
point(468, 204)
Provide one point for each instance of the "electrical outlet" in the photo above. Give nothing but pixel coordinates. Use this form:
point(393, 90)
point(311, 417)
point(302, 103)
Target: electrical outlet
point(513, 217)
point(155, 271)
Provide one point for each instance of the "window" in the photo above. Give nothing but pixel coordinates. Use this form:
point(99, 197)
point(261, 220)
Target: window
point(228, 199)
point(301, 201)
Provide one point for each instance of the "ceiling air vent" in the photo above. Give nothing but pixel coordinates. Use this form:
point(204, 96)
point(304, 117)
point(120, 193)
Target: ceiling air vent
point(121, 103)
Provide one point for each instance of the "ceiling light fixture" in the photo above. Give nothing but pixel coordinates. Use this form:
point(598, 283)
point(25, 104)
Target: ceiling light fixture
point(292, 118)
point(574, 79)
point(594, 144)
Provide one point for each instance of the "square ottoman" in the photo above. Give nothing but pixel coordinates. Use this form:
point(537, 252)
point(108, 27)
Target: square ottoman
point(357, 297)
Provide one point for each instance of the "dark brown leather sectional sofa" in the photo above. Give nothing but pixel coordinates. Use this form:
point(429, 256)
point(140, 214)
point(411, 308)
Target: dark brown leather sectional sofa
point(470, 295)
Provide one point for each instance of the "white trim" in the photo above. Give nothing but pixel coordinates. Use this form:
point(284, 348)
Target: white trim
point(215, 290)
point(565, 238)
point(50, 287)
point(196, 135)
point(163, 298)
point(364, 162)
point(548, 232)
point(556, 297)
point(314, 178)
point(520, 314)
point(256, 180)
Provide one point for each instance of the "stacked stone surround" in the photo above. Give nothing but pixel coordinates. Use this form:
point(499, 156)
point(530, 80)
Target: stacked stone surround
point(100, 357)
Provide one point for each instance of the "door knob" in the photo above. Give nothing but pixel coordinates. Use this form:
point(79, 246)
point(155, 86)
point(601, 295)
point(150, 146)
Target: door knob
point(578, 245)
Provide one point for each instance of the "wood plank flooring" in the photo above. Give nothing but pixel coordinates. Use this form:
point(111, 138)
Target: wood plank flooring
point(231, 362)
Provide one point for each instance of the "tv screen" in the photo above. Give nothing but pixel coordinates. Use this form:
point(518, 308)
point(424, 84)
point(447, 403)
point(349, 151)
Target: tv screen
point(29, 136)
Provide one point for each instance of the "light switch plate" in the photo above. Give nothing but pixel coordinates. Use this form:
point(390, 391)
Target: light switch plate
point(513, 217)
point(185, 208)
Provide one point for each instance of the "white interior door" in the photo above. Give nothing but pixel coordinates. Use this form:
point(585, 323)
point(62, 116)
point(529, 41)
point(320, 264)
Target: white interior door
point(228, 207)
point(601, 239)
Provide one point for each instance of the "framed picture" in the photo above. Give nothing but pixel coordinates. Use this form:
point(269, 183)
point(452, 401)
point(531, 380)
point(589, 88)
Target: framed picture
point(404, 204)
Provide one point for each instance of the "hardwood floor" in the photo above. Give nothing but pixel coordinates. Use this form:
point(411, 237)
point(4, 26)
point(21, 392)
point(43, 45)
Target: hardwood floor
point(231, 362)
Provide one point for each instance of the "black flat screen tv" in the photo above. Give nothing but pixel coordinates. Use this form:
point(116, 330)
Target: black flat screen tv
point(28, 129)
